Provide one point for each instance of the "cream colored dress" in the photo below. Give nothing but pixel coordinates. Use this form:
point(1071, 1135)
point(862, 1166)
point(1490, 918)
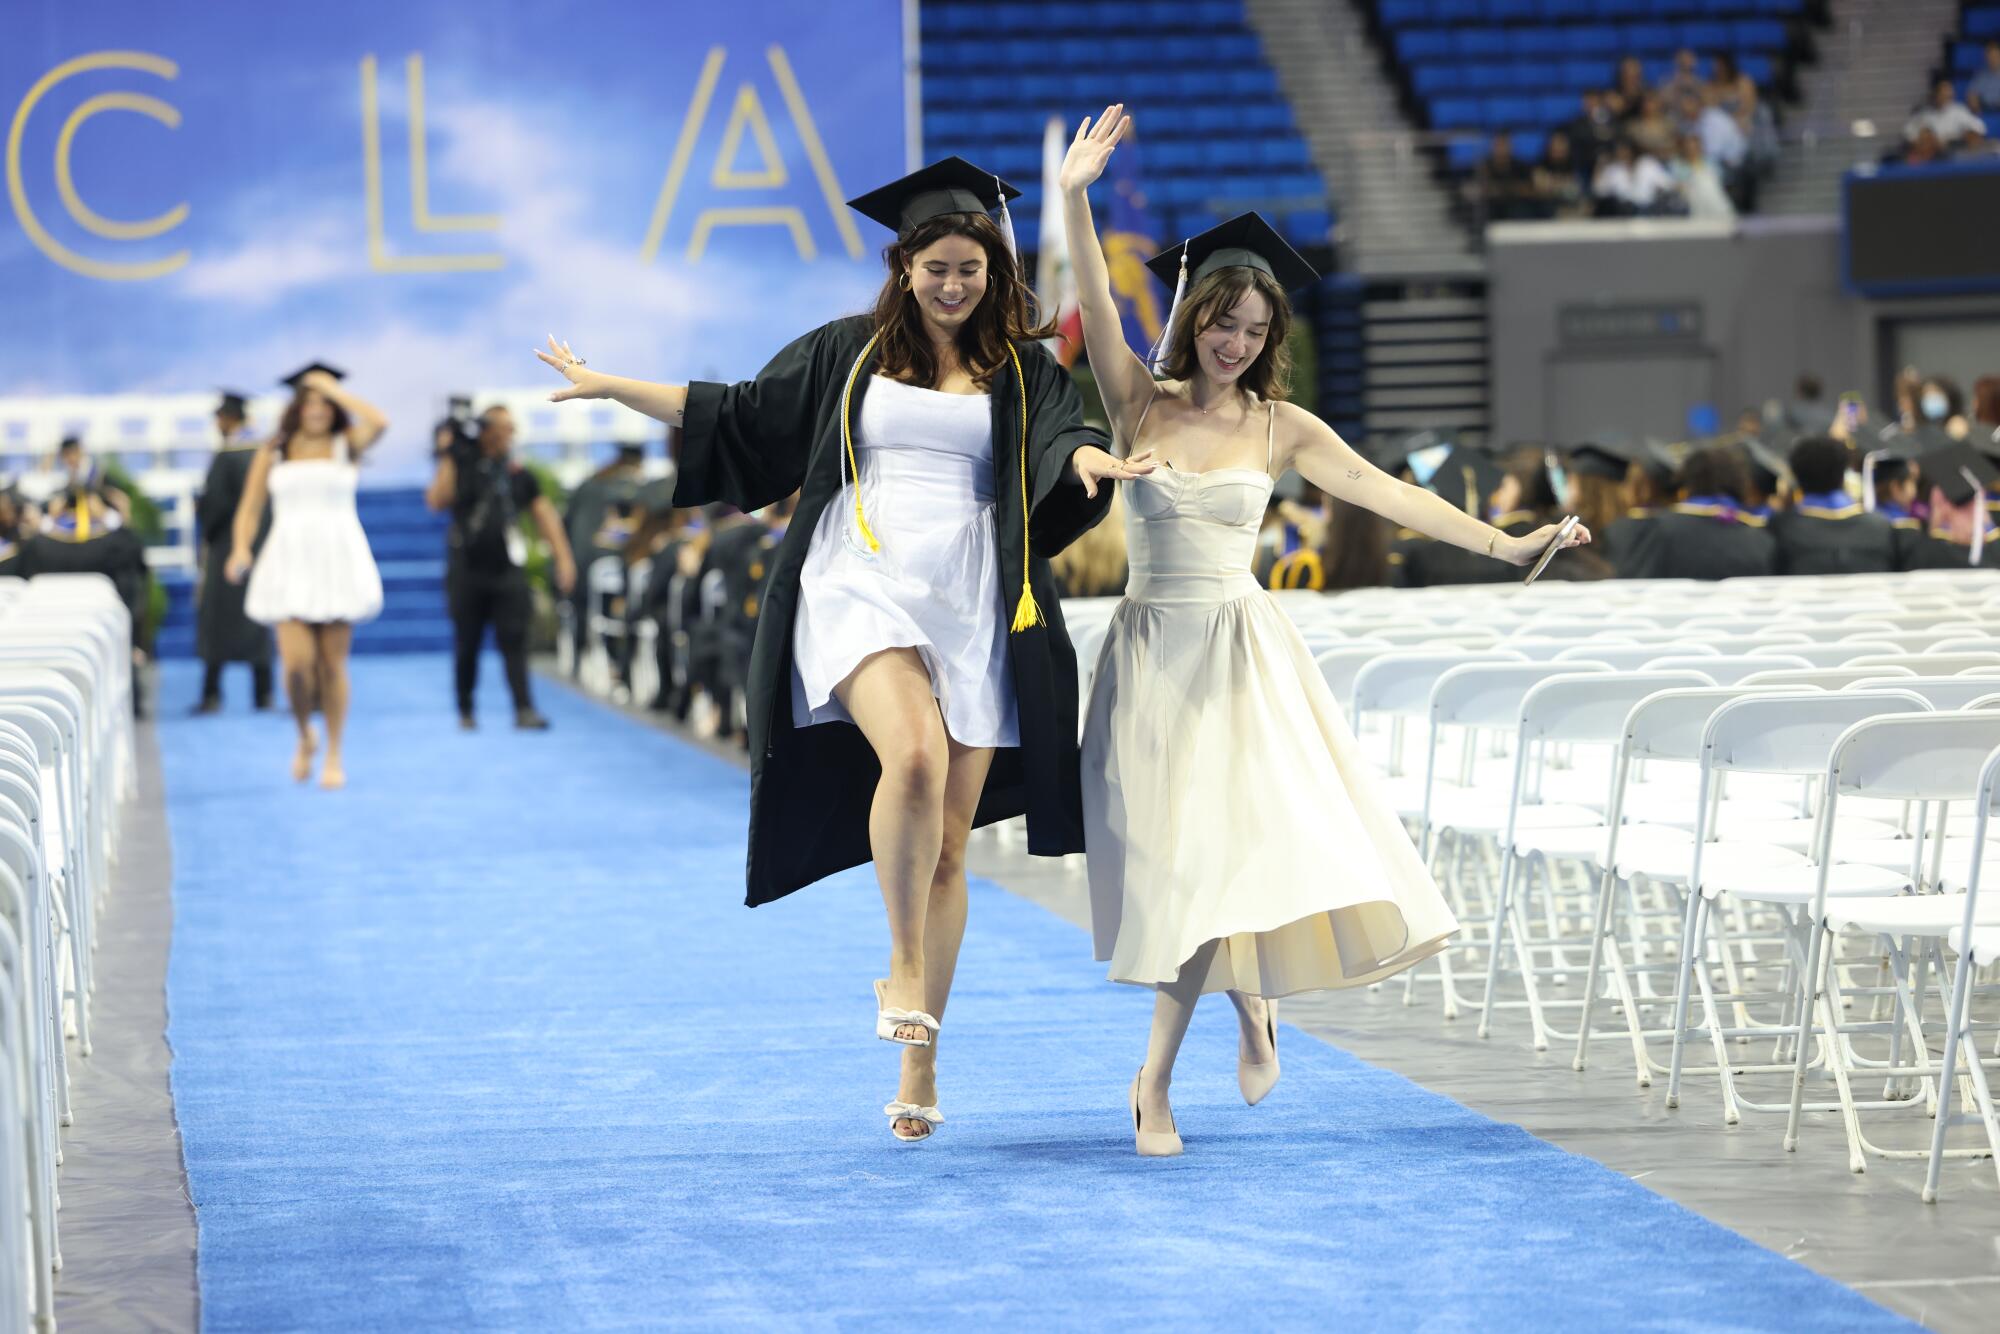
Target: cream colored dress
point(1224, 797)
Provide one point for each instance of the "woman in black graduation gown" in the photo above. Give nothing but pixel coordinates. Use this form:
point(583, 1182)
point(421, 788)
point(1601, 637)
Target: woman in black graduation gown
point(899, 786)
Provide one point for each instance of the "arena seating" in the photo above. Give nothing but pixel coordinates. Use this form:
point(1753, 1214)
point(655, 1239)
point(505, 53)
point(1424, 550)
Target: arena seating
point(66, 768)
point(1562, 753)
point(1215, 135)
point(1478, 66)
point(1966, 54)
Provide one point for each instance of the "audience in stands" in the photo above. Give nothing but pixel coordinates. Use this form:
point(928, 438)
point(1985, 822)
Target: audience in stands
point(1559, 189)
point(1982, 91)
point(1955, 125)
point(1593, 133)
point(1504, 186)
point(1684, 79)
point(1628, 93)
point(1632, 184)
point(1700, 182)
point(1652, 130)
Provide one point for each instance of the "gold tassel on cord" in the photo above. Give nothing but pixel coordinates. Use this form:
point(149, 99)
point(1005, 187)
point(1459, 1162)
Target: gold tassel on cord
point(847, 440)
point(1026, 614)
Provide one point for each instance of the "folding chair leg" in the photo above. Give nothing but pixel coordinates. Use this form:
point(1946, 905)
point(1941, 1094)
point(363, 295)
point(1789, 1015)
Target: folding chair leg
point(1836, 1057)
point(1731, 1114)
point(1497, 942)
point(1808, 1001)
point(1955, 1032)
point(1600, 926)
point(1683, 988)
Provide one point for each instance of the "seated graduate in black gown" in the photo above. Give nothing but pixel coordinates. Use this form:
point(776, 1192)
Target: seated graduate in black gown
point(1707, 533)
point(1952, 478)
point(1466, 478)
point(1826, 530)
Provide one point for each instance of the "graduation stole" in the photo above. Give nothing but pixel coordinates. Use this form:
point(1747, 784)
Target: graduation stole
point(1026, 613)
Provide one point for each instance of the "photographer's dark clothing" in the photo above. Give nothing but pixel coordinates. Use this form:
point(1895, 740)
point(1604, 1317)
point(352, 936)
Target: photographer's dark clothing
point(484, 582)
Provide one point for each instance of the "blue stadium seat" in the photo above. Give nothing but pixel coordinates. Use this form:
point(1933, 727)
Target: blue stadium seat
point(1709, 35)
point(1763, 34)
point(1269, 117)
point(1529, 145)
point(1458, 113)
point(1623, 9)
point(1569, 9)
point(1651, 39)
point(1403, 13)
point(1465, 154)
point(1414, 44)
point(1308, 226)
point(1982, 23)
point(1506, 112)
point(1760, 67)
point(1458, 11)
point(1581, 74)
point(1594, 39)
point(1508, 11)
point(1966, 57)
point(1554, 108)
point(1537, 43)
point(1481, 43)
point(1253, 81)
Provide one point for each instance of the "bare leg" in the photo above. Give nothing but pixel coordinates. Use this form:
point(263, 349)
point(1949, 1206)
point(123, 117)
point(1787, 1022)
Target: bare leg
point(1173, 1008)
point(1254, 1044)
point(889, 697)
point(335, 638)
point(944, 920)
point(299, 649)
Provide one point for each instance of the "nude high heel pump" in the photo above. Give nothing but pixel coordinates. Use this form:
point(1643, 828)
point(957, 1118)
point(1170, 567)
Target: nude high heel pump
point(1153, 1143)
point(1257, 1078)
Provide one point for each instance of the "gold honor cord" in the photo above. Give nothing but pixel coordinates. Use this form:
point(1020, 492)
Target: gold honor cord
point(1026, 613)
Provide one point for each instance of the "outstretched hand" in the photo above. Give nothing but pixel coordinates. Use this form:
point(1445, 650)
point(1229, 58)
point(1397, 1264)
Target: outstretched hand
point(583, 383)
point(1094, 465)
point(1091, 148)
point(1528, 549)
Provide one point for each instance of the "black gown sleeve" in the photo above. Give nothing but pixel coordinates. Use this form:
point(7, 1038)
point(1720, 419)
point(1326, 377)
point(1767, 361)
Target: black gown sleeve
point(748, 444)
point(220, 493)
point(1058, 510)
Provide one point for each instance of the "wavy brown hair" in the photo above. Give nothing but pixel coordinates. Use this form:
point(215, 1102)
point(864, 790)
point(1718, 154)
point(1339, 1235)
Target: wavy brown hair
point(288, 425)
point(1208, 300)
point(1003, 316)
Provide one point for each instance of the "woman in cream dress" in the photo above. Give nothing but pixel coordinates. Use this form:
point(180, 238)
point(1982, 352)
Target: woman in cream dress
point(1236, 838)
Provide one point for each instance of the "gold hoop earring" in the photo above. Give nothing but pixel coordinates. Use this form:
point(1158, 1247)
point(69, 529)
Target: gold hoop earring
point(903, 280)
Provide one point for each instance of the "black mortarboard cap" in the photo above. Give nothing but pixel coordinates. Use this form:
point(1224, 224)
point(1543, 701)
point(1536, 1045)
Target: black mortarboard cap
point(1599, 460)
point(292, 380)
point(1466, 477)
point(1769, 465)
point(232, 402)
point(1955, 468)
point(951, 185)
point(1394, 454)
point(1246, 240)
point(631, 451)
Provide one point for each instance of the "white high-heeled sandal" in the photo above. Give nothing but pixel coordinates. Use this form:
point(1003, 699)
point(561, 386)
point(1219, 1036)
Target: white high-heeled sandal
point(909, 1111)
point(887, 1021)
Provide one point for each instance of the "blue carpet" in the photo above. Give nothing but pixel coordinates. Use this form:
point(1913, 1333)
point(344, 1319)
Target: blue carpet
point(488, 1041)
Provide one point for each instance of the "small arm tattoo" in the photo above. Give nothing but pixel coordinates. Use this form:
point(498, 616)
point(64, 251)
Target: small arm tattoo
point(1354, 474)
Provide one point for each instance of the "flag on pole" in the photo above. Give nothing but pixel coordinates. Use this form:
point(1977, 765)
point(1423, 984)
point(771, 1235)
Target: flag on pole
point(1055, 280)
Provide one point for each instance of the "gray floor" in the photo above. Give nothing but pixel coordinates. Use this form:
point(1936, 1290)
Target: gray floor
point(1939, 1265)
point(128, 1229)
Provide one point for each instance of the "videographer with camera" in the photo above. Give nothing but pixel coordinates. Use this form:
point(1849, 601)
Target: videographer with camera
point(487, 491)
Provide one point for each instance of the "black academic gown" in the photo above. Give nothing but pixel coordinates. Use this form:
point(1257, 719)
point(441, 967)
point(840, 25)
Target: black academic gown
point(1922, 550)
point(222, 632)
point(1845, 540)
point(1693, 541)
point(752, 444)
point(119, 555)
point(1416, 561)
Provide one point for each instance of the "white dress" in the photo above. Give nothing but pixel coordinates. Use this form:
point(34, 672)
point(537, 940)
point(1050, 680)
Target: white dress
point(315, 565)
point(1224, 797)
point(925, 463)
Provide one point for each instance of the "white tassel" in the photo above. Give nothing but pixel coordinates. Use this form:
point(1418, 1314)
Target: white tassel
point(1006, 222)
point(1978, 515)
point(1868, 480)
point(1158, 351)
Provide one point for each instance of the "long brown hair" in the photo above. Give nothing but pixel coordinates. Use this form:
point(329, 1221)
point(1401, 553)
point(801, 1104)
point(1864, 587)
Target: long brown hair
point(288, 425)
point(1356, 551)
point(1003, 315)
point(1208, 300)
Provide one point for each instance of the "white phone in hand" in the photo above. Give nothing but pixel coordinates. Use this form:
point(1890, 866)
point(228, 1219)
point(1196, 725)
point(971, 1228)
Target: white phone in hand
point(1555, 545)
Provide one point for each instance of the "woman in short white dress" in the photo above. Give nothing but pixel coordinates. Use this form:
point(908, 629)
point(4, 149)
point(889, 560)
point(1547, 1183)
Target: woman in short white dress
point(1236, 841)
point(315, 577)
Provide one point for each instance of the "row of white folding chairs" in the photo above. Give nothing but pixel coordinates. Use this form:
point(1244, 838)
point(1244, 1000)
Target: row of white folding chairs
point(66, 763)
point(1884, 741)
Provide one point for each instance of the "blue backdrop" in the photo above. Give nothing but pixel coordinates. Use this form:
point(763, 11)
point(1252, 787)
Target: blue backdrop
point(210, 194)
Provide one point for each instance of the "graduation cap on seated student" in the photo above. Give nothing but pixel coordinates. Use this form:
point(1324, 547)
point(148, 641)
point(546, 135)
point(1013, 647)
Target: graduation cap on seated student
point(949, 185)
point(1245, 241)
point(1960, 474)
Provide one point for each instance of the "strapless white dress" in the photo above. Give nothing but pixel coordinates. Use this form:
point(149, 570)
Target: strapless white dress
point(926, 478)
point(315, 565)
point(1224, 796)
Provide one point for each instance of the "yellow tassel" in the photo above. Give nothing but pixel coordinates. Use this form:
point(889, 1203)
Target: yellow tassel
point(847, 442)
point(1026, 614)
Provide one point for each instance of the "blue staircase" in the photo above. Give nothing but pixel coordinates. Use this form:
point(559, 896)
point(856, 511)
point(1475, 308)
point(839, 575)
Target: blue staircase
point(408, 541)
